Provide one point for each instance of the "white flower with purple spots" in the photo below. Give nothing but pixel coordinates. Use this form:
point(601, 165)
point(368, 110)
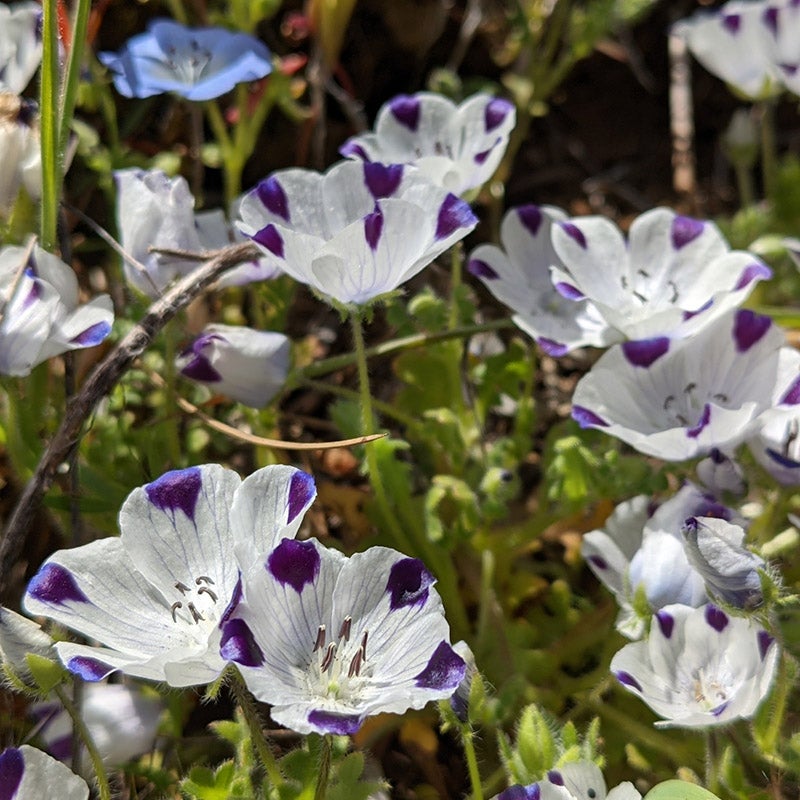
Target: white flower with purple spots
point(355, 232)
point(41, 317)
point(21, 165)
point(29, 774)
point(715, 549)
point(736, 42)
point(699, 666)
point(518, 274)
point(248, 365)
point(583, 780)
point(20, 45)
point(330, 640)
point(673, 276)
point(155, 598)
point(641, 550)
point(776, 445)
point(458, 147)
point(678, 399)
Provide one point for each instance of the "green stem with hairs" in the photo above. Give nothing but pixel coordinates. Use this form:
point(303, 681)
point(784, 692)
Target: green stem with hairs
point(264, 755)
point(321, 789)
point(49, 128)
point(80, 25)
point(79, 726)
point(468, 742)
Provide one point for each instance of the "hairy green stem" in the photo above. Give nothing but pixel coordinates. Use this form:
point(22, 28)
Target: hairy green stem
point(262, 749)
point(80, 25)
point(49, 127)
point(321, 789)
point(79, 726)
point(467, 740)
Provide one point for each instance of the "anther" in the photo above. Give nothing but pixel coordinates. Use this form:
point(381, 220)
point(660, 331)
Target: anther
point(355, 664)
point(791, 436)
point(721, 397)
point(330, 653)
point(182, 587)
point(320, 641)
point(203, 579)
point(363, 647)
point(669, 401)
point(175, 607)
point(675, 292)
point(690, 387)
point(196, 615)
point(344, 631)
point(206, 590)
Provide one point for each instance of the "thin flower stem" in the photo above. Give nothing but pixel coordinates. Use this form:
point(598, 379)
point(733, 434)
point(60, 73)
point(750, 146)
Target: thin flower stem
point(49, 127)
point(173, 416)
point(769, 166)
point(467, 740)
point(74, 64)
point(321, 790)
point(246, 702)
point(744, 183)
point(712, 761)
point(456, 278)
point(82, 731)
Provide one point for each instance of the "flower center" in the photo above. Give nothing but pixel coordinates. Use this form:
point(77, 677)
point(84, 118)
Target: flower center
point(339, 668)
point(708, 691)
point(647, 293)
point(198, 603)
point(686, 408)
point(188, 63)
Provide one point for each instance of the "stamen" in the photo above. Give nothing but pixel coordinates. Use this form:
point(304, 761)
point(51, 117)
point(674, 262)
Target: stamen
point(639, 296)
point(690, 387)
point(675, 292)
point(182, 587)
point(791, 436)
point(320, 641)
point(721, 397)
point(196, 615)
point(330, 653)
point(344, 631)
point(355, 664)
point(363, 647)
point(669, 401)
point(203, 579)
point(643, 273)
point(175, 607)
point(206, 590)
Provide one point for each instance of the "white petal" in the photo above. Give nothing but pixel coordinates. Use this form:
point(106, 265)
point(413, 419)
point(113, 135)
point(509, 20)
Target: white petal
point(39, 775)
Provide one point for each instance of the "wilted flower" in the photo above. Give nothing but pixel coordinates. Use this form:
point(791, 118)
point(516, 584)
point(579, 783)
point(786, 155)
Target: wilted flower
point(458, 147)
point(41, 317)
point(519, 276)
point(156, 596)
point(21, 164)
point(330, 640)
point(677, 399)
point(121, 720)
point(720, 474)
point(196, 63)
point(699, 666)
point(641, 550)
point(29, 774)
point(673, 276)
point(715, 548)
point(20, 45)
point(248, 365)
point(356, 232)
point(736, 42)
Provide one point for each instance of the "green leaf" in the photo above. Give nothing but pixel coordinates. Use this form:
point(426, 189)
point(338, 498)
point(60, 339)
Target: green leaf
point(679, 790)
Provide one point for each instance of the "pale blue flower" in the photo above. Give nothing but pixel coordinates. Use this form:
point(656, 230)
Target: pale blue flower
point(196, 63)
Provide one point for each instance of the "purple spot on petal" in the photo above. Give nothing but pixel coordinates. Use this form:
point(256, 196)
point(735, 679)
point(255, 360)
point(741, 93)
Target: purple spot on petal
point(789, 69)
point(770, 18)
point(685, 230)
point(270, 239)
point(764, 643)
point(92, 335)
point(373, 227)
point(408, 583)
point(704, 307)
point(60, 748)
point(791, 397)
point(698, 428)
point(531, 217)
point(644, 352)
point(574, 233)
point(569, 291)
point(495, 113)
point(302, 491)
point(236, 598)
point(35, 291)
point(552, 348)
point(90, 669)
point(781, 459)
point(720, 708)
point(748, 328)
point(731, 23)
point(445, 669)
point(273, 197)
point(12, 768)
point(586, 418)
point(716, 618)
point(666, 622)
point(454, 213)
point(177, 489)
point(481, 269)
point(626, 679)
point(352, 148)
point(340, 724)
point(480, 158)
point(200, 369)
point(753, 272)
point(520, 792)
point(599, 562)
point(555, 777)
point(238, 644)
point(382, 180)
point(406, 109)
point(55, 585)
point(294, 563)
